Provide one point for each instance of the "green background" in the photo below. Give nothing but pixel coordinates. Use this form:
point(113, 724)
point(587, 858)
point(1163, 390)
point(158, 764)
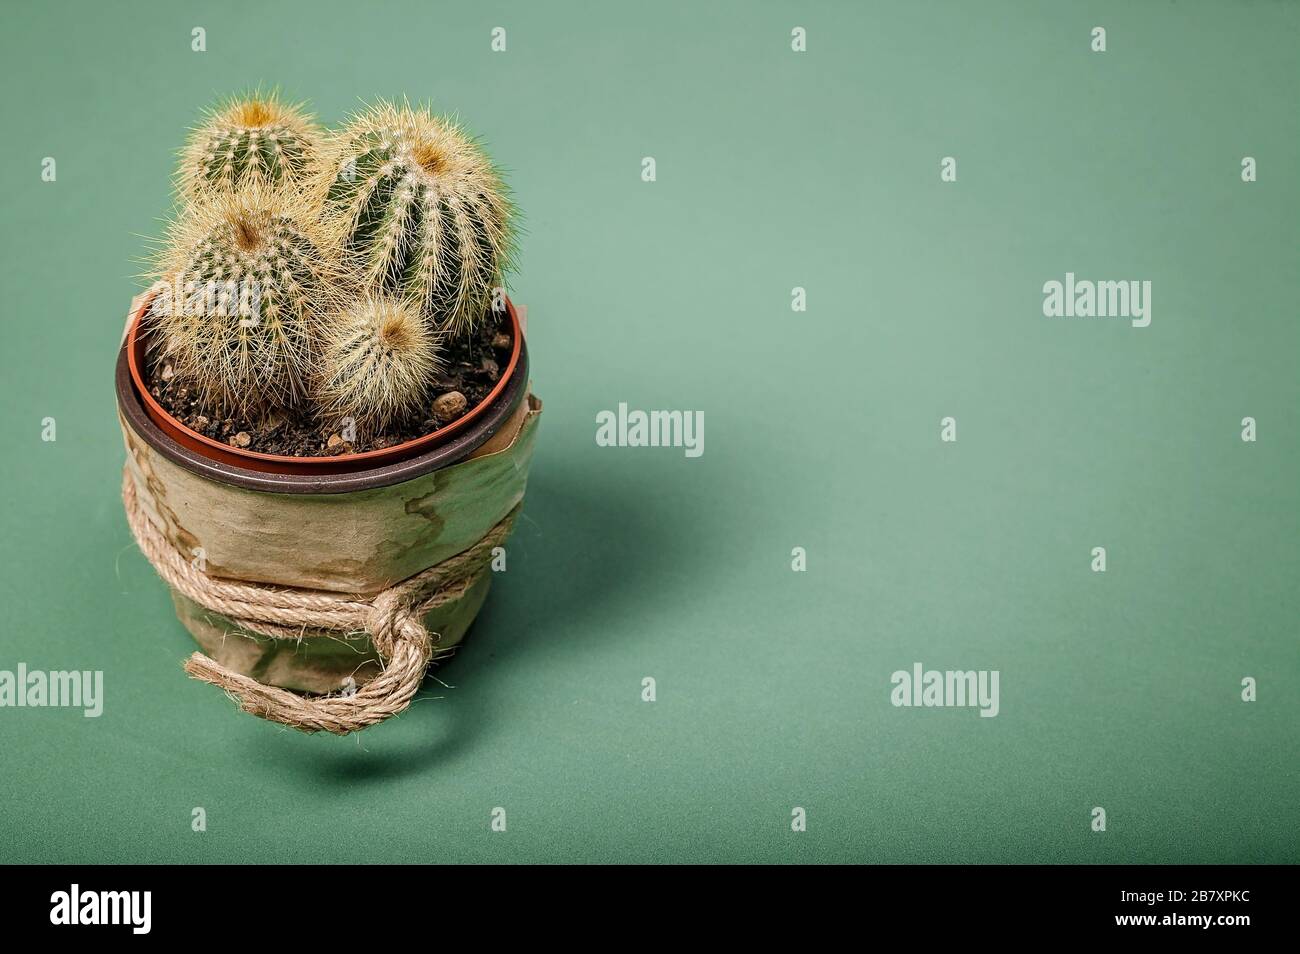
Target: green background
point(775, 169)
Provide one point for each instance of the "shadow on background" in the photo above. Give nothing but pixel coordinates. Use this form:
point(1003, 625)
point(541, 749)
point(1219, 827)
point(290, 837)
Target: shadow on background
point(585, 539)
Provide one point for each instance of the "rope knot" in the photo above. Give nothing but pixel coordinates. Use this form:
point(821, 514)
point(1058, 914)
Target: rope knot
point(392, 618)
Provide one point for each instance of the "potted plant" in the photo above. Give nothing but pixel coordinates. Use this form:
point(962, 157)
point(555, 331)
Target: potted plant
point(325, 403)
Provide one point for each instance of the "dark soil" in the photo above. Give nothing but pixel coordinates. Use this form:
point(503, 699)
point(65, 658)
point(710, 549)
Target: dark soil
point(473, 368)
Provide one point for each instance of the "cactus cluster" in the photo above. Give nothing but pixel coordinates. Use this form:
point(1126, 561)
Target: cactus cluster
point(326, 271)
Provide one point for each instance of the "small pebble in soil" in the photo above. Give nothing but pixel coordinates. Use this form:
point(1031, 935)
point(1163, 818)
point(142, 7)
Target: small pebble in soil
point(242, 439)
point(201, 423)
point(491, 369)
point(336, 444)
point(449, 406)
point(167, 372)
point(501, 342)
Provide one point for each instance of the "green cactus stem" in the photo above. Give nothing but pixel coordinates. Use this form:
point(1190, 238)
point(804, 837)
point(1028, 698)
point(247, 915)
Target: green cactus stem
point(244, 281)
point(421, 212)
point(250, 140)
point(378, 362)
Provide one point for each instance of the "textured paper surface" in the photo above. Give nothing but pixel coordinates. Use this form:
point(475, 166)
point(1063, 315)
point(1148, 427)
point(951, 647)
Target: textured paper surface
point(356, 542)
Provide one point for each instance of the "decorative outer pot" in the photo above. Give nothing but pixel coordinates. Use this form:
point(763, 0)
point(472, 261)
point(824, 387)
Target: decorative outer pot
point(354, 532)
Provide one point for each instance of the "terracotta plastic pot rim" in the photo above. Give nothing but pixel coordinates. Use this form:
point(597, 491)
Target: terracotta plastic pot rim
point(443, 454)
point(280, 463)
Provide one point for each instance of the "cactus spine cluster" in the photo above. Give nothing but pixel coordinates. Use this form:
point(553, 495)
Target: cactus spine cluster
point(246, 279)
point(377, 364)
point(422, 212)
point(252, 141)
point(325, 271)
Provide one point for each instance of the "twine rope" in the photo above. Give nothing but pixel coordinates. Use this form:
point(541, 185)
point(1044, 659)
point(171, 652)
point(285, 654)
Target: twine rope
point(394, 619)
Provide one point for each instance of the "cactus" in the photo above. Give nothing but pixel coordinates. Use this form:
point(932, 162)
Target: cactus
point(251, 140)
point(421, 212)
point(378, 361)
point(244, 281)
